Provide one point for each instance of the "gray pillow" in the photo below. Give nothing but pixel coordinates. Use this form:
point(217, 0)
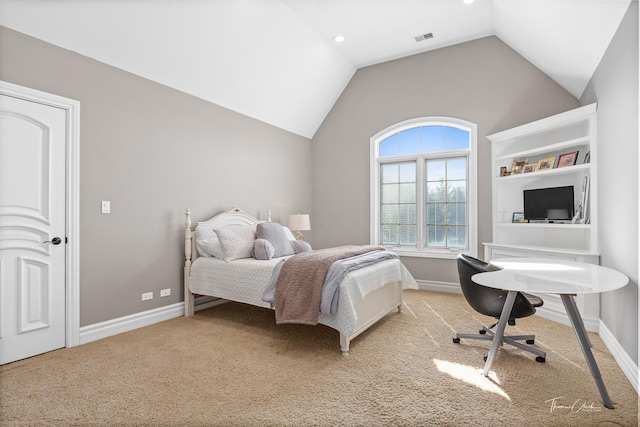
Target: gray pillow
point(300, 246)
point(275, 234)
point(262, 249)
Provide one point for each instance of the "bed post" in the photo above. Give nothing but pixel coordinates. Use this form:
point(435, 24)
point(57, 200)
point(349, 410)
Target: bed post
point(188, 296)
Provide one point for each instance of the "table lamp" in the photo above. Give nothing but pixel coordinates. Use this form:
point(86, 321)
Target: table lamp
point(299, 223)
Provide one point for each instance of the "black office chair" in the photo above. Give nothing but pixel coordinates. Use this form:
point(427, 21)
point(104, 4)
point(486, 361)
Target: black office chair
point(489, 301)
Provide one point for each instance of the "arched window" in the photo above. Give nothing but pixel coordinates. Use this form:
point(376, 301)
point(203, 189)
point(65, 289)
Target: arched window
point(423, 187)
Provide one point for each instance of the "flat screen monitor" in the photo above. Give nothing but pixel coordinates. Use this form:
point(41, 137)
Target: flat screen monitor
point(554, 203)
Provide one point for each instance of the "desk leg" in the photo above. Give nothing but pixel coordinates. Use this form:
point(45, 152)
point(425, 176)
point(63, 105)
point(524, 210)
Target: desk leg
point(499, 335)
point(578, 326)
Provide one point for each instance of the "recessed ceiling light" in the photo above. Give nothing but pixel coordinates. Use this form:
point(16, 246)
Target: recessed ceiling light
point(338, 38)
point(468, 1)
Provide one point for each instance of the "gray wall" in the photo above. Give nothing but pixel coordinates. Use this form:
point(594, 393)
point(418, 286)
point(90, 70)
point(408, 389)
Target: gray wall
point(153, 151)
point(482, 81)
point(615, 86)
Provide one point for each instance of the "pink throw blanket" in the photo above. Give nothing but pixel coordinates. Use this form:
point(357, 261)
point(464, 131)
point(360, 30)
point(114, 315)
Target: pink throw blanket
point(299, 285)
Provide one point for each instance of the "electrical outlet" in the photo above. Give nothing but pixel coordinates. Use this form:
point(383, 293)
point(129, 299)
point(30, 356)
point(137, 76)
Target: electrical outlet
point(147, 296)
point(165, 292)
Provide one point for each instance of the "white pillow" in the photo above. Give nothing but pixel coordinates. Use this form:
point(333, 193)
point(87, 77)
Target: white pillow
point(288, 233)
point(207, 243)
point(211, 247)
point(237, 241)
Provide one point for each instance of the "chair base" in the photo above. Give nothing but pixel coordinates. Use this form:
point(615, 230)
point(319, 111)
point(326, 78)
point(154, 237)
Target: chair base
point(486, 333)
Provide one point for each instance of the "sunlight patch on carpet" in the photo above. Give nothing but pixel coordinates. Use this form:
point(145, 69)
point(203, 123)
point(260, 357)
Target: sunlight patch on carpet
point(471, 375)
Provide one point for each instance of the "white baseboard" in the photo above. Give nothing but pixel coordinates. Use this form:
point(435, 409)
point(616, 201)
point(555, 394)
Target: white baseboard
point(448, 287)
point(625, 362)
point(128, 323)
point(138, 320)
point(553, 311)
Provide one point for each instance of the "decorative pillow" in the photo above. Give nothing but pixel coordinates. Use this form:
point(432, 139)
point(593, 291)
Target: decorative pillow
point(207, 243)
point(263, 249)
point(237, 241)
point(211, 247)
point(300, 246)
point(288, 233)
point(276, 235)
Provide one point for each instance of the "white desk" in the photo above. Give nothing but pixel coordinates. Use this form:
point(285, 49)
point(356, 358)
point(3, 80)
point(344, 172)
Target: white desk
point(565, 278)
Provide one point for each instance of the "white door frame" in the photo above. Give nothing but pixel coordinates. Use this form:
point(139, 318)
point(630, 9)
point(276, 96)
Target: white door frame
point(72, 145)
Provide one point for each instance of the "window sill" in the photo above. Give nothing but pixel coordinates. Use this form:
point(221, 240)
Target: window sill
point(437, 254)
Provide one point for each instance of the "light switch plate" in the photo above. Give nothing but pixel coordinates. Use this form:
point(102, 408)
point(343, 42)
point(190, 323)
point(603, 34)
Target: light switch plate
point(106, 206)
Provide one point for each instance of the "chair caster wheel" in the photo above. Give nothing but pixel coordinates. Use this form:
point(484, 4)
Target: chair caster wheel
point(531, 341)
point(482, 332)
point(540, 359)
point(485, 358)
point(456, 340)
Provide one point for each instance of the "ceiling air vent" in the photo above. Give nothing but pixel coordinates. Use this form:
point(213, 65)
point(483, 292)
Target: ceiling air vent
point(423, 37)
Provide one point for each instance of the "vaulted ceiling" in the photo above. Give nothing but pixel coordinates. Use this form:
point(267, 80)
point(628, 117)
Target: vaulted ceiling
point(277, 60)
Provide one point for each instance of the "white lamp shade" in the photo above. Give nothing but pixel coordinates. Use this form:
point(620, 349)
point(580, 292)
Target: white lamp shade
point(299, 222)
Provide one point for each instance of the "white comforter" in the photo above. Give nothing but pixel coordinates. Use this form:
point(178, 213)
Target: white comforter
point(245, 280)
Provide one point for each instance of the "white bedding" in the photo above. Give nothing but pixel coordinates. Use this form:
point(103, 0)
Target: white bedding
point(244, 280)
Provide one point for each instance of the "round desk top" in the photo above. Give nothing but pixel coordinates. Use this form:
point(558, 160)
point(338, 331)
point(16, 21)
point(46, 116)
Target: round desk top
point(551, 276)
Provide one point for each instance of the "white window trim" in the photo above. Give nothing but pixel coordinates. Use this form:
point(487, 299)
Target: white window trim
point(472, 202)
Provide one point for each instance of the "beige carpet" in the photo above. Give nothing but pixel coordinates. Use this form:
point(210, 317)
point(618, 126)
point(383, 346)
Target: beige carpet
point(232, 366)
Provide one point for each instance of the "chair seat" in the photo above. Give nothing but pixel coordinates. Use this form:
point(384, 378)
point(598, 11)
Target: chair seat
point(534, 300)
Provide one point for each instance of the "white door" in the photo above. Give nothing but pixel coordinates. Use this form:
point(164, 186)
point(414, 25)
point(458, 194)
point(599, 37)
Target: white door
point(32, 228)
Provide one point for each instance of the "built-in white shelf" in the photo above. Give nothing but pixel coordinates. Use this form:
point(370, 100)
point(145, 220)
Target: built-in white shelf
point(580, 255)
point(554, 225)
point(576, 169)
point(540, 151)
point(573, 130)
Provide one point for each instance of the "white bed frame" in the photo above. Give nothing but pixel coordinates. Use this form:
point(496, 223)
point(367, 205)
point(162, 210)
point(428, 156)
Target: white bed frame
point(375, 305)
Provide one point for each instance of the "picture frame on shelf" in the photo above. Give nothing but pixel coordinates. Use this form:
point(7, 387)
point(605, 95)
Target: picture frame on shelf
point(546, 163)
point(529, 168)
point(518, 166)
point(519, 217)
point(567, 159)
point(587, 157)
point(504, 171)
